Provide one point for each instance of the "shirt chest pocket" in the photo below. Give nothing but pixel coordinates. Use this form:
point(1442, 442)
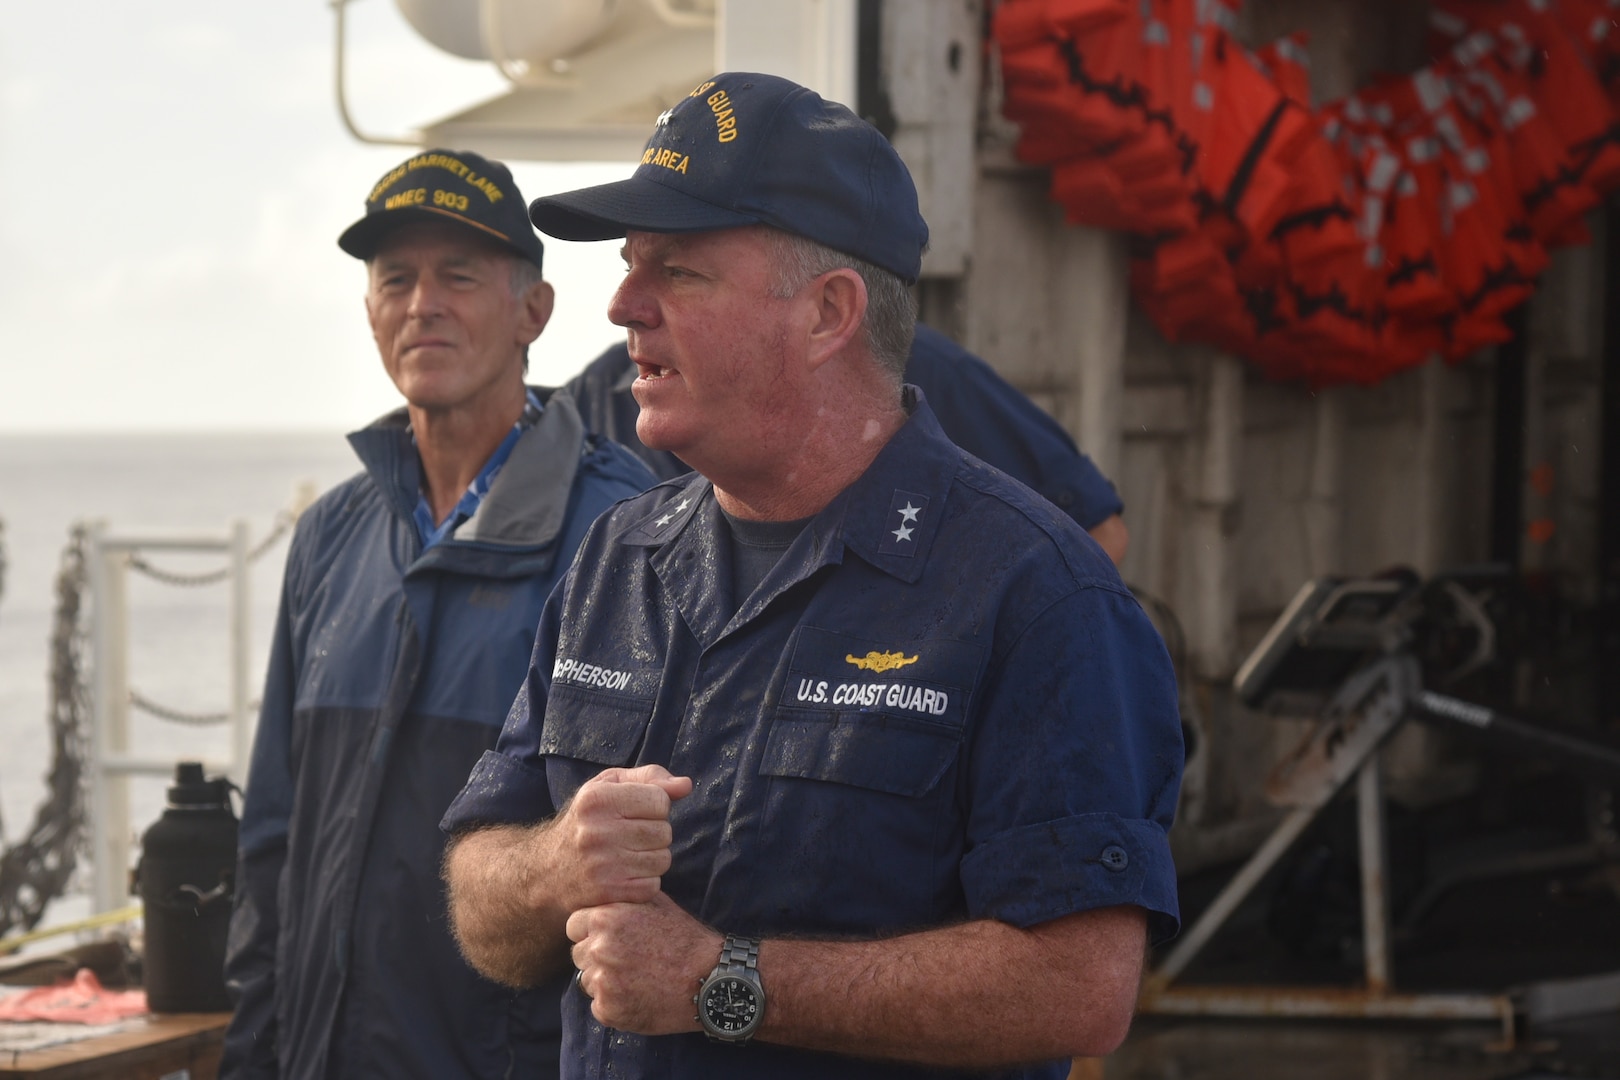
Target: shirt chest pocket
point(865, 805)
point(861, 750)
point(586, 732)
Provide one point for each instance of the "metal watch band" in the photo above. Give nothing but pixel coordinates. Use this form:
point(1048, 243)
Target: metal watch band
point(740, 950)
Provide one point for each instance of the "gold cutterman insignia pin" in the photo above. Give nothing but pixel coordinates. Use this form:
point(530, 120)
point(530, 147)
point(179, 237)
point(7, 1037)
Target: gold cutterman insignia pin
point(880, 661)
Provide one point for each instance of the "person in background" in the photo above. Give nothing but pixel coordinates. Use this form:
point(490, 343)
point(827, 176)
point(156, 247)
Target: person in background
point(846, 755)
point(980, 411)
point(407, 615)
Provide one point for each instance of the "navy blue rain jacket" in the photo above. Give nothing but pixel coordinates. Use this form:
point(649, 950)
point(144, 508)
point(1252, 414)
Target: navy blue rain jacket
point(390, 674)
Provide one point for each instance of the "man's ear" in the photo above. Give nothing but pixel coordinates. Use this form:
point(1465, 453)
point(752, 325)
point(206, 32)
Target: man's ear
point(840, 313)
point(371, 316)
point(534, 311)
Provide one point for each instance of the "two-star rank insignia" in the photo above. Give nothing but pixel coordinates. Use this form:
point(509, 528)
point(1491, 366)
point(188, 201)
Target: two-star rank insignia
point(668, 516)
point(667, 519)
point(908, 521)
point(907, 513)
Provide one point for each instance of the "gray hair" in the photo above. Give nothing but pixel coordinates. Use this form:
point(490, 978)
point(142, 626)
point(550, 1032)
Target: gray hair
point(891, 309)
point(525, 276)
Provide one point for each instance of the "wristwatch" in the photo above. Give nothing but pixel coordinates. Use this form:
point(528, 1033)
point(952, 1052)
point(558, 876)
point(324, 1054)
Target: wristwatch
point(731, 1001)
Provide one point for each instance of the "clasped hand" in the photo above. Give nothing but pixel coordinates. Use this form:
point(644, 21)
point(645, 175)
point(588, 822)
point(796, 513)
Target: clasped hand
point(639, 954)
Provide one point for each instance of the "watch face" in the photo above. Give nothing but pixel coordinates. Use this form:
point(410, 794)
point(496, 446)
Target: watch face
point(730, 1005)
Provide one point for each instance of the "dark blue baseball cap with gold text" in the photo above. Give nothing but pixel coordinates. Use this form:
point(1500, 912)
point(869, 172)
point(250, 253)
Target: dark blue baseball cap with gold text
point(445, 185)
point(751, 149)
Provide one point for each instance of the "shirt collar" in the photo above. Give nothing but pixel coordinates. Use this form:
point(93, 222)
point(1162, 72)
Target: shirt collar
point(889, 516)
point(473, 497)
point(892, 513)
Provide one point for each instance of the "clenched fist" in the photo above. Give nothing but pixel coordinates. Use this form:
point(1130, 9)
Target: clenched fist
point(614, 836)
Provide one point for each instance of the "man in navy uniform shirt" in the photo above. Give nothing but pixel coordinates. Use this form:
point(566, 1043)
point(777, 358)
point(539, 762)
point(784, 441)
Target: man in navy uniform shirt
point(980, 411)
point(844, 756)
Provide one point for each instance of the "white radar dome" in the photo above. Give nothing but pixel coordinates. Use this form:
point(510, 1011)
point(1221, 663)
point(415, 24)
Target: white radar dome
point(531, 30)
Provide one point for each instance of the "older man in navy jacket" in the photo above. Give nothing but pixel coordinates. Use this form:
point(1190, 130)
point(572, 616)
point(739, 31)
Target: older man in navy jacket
point(407, 614)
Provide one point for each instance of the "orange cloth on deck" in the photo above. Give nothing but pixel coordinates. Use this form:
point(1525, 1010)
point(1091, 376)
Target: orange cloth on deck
point(83, 1000)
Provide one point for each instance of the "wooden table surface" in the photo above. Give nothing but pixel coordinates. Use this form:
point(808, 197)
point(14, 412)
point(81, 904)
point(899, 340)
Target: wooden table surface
point(177, 1046)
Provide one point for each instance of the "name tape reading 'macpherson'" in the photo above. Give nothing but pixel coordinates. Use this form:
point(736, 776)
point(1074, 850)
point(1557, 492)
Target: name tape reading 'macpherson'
point(572, 671)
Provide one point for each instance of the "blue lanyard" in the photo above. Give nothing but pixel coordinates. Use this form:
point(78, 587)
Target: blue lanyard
point(467, 506)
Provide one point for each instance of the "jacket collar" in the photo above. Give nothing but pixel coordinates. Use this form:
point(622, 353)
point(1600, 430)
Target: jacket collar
point(527, 505)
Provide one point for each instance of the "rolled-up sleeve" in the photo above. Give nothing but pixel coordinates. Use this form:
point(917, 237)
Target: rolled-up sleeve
point(1075, 769)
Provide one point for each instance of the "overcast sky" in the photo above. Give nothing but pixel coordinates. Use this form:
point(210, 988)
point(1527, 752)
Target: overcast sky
point(173, 178)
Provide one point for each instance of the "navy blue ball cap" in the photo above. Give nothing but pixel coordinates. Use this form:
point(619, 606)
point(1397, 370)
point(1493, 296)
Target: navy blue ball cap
point(750, 149)
point(445, 185)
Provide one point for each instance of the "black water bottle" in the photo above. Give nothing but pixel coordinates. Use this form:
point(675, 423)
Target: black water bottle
point(186, 879)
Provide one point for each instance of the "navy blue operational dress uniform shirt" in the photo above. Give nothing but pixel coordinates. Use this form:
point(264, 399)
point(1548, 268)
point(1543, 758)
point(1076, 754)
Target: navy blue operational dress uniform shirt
point(941, 704)
point(980, 411)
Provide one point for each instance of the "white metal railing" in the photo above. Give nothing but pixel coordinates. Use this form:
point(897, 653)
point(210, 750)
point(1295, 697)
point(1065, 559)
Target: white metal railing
point(110, 761)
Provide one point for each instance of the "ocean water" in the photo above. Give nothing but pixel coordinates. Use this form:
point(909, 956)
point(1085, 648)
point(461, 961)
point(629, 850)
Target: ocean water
point(179, 643)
